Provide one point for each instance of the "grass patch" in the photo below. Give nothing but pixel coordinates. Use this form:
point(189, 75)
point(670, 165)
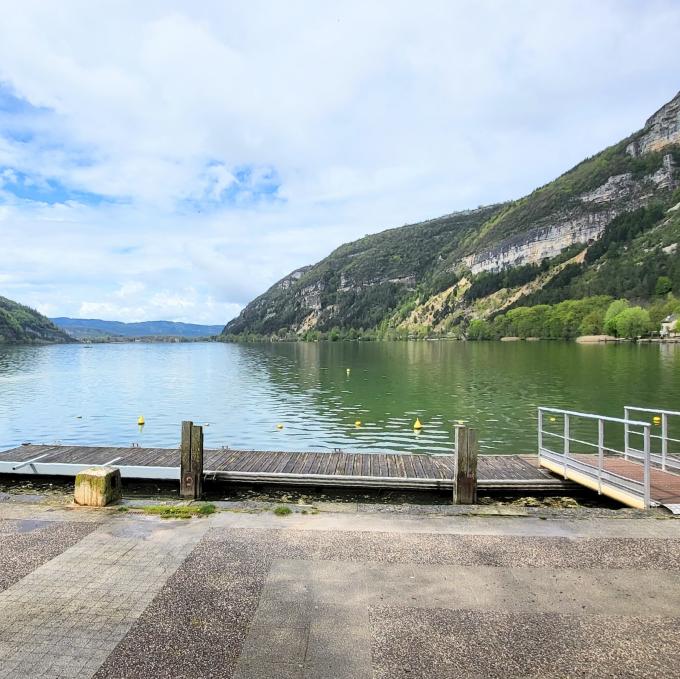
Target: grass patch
point(180, 511)
point(283, 511)
point(123, 509)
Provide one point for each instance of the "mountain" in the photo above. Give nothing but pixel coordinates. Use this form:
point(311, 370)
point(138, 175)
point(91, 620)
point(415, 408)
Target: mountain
point(608, 226)
point(93, 328)
point(22, 325)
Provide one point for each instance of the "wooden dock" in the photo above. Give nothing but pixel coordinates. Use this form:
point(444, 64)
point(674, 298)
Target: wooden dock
point(331, 468)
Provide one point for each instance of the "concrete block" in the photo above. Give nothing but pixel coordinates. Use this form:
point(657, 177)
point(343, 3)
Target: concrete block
point(98, 486)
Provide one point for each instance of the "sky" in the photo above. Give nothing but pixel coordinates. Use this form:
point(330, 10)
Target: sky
point(172, 160)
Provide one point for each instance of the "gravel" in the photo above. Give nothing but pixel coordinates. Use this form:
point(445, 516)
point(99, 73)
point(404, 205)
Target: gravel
point(26, 544)
point(414, 643)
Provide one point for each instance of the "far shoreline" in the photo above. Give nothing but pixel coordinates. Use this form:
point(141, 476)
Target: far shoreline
point(581, 339)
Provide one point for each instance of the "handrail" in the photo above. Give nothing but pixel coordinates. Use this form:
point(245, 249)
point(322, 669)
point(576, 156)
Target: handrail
point(592, 416)
point(652, 410)
point(664, 437)
point(569, 462)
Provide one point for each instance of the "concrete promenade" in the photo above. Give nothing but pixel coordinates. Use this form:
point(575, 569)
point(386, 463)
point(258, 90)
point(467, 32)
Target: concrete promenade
point(338, 594)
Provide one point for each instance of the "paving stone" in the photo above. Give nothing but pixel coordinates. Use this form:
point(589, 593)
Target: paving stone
point(65, 617)
point(26, 544)
point(246, 601)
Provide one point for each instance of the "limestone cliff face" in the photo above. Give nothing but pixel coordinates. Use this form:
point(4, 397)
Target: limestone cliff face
point(582, 223)
point(292, 278)
point(544, 242)
point(662, 129)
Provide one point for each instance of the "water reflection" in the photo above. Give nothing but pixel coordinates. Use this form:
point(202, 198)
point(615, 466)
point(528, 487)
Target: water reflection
point(94, 396)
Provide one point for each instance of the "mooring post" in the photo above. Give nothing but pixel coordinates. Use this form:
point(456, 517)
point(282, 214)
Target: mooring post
point(191, 461)
point(465, 466)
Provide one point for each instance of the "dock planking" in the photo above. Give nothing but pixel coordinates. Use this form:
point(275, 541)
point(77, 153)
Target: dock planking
point(664, 486)
point(327, 468)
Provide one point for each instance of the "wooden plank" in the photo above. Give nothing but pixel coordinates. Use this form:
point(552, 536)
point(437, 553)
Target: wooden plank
point(409, 466)
point(396, 466)
point(429, 467)
point(288, 467)
point(229, 460)
point(266, 462)
point(365, 464)
point(337, 463)
point(250, 462)
point(325, 464)
point(281, 461)
point(317, 462)
point(300, 463)
point(523, 469)
point(401, 467)
point(333, 462)
point(162, 457)
point(418, 464)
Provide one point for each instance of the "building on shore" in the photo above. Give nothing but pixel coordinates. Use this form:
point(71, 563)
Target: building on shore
point(669, 326)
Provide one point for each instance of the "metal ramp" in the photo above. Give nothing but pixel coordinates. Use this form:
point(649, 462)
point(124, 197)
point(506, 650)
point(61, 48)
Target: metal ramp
point(629, 460)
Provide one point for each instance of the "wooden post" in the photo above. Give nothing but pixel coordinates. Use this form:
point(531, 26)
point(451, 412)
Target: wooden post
point(191, 461)
point(197, 460)
point(465, 475)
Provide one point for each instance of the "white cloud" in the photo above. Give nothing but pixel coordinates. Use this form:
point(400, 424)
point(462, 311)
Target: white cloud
point(368, 115)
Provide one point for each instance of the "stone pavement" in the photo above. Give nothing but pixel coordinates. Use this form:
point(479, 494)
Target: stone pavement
point(65, 617)
point(334, 596)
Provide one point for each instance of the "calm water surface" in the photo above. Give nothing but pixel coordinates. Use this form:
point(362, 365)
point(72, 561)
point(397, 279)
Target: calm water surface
point(78, 395)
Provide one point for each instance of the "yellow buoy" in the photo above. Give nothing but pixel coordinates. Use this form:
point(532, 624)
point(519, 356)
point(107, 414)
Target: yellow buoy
point(417, 424)
point(279, 426)
point(140, 420)
point(553, 419)
point(357, 423)
point(657, 420)
point(348, 371)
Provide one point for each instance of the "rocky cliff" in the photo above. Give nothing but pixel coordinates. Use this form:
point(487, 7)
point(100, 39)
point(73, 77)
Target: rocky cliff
point(583, 222)
point(661, 130)
point(387, 277)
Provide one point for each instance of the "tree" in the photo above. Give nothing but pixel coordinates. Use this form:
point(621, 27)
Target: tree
point(663, 285)
point(479, 330)
point(592, 323)
point(632, 322)
point(613, 310)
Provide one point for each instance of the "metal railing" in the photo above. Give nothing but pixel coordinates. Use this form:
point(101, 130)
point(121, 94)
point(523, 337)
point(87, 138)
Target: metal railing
point(592, 450)
point(667, 459)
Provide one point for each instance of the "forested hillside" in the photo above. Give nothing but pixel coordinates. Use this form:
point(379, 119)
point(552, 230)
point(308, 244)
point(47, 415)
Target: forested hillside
point(92, 328)
point(22, 325)
point(608, 228)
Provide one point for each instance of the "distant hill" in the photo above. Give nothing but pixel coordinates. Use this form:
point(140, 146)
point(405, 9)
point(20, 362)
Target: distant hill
point(94, 328)
point(608, 227)
point(20, 324)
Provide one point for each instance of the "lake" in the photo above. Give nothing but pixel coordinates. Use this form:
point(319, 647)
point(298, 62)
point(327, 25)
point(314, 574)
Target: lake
point(74, 394)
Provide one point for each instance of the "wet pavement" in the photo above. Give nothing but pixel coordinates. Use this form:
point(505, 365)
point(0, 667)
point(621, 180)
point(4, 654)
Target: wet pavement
point(346, 591)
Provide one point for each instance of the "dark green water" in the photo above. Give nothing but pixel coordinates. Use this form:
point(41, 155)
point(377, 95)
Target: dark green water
point(80, 395)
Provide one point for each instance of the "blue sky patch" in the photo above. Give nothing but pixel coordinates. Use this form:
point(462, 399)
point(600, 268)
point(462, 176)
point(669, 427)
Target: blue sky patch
point(50, 191)
point(240, 187)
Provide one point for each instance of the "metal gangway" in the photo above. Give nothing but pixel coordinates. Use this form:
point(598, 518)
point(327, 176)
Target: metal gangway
point(631, 459)
point(666, 454)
